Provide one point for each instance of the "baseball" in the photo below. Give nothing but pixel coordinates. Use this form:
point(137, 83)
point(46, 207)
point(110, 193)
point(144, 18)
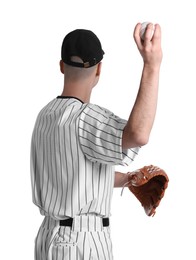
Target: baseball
point(143, 30)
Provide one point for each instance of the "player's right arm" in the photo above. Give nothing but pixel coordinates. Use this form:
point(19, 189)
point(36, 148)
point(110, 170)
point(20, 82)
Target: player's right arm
point(141, 119)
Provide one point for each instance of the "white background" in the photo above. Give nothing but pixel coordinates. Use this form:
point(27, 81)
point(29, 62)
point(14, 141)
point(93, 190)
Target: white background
point(30, 40)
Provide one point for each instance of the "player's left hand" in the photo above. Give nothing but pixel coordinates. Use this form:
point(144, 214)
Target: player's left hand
point(148, 184)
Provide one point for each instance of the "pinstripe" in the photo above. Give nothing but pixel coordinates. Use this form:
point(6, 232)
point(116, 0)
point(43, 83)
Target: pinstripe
point(78, 164)
point(60, 194)
point(93, 166)
point(104, 191)
point(69, 253)
point(95, 129)
point(41, 162)
point(49, 241)
point(79, 205)
point(102, 146)
point(90, 254)
point(80, 224)
point(61, 171)
point(94, 223)
point(58, 168)
point(84, 245)
point(53, 169)
point(43, 129)
point(55, 191)
point(45, 132)
point(88, 224)
point(41, 237)
point(63, 254)
point(95, 245)
point(45, 247)
point(43, 234)
point(86, 181)
point(108, 192)
point(108, 251)
point(99, 193)
point(67, 159)
point(93, 135)
point(50, 185)
point(71, 164)
point(46, 244)
point(101, 188)
point(66, 163)
point(37, 243)
point(73, 171)
point(102, 245)
point(34, 177)
point(47, 200)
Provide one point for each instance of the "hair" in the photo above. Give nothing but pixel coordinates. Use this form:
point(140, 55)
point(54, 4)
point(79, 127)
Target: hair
point(77, 73)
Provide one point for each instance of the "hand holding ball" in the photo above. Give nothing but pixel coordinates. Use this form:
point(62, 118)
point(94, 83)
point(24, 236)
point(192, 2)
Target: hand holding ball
point(143, 30)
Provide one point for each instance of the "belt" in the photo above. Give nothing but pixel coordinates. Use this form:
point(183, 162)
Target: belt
point(68, 222)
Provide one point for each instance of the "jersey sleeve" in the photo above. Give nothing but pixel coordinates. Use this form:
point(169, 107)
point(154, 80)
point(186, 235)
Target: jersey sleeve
point(100, 137)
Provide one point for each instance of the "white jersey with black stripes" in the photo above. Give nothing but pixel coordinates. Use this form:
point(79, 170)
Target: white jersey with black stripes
point(74, 149)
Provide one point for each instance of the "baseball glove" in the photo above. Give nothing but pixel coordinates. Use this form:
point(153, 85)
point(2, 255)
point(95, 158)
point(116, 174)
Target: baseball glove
point(148, 184)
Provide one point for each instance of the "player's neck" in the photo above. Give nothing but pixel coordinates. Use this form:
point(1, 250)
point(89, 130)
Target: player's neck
point(81, 92)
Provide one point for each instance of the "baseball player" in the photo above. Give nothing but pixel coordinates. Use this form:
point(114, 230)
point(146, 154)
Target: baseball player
point(76, 145)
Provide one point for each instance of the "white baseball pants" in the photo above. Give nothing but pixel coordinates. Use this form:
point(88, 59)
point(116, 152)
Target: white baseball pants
point(87, 239)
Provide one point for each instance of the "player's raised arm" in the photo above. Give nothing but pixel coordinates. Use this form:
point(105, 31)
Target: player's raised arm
point(141, 119)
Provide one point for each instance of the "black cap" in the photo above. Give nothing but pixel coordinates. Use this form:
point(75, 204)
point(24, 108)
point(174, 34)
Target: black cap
point(83, 44)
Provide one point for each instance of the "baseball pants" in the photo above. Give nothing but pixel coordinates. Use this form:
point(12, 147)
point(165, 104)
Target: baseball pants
point(86, 239)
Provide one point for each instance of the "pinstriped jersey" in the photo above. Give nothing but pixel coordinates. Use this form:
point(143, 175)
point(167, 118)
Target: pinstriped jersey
point(74, 150)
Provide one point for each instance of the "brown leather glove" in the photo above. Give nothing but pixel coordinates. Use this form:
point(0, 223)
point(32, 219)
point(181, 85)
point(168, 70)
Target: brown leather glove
point(148, 184)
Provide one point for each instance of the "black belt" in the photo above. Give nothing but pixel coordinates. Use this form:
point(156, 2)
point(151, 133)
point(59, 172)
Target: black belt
point(68, 222)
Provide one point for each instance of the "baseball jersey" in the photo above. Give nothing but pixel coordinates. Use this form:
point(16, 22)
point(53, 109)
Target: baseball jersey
point(74, 149)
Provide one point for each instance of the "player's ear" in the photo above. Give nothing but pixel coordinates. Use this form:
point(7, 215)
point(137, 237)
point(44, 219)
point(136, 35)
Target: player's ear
point(99, 69)
point(62, 68)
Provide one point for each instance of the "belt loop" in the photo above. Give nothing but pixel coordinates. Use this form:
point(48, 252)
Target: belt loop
point(106, 222)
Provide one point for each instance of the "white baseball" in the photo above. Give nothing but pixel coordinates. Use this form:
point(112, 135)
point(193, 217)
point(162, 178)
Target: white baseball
point(143, 30)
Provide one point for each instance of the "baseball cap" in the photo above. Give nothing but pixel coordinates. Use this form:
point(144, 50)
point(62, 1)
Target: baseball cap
point(83, 44)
